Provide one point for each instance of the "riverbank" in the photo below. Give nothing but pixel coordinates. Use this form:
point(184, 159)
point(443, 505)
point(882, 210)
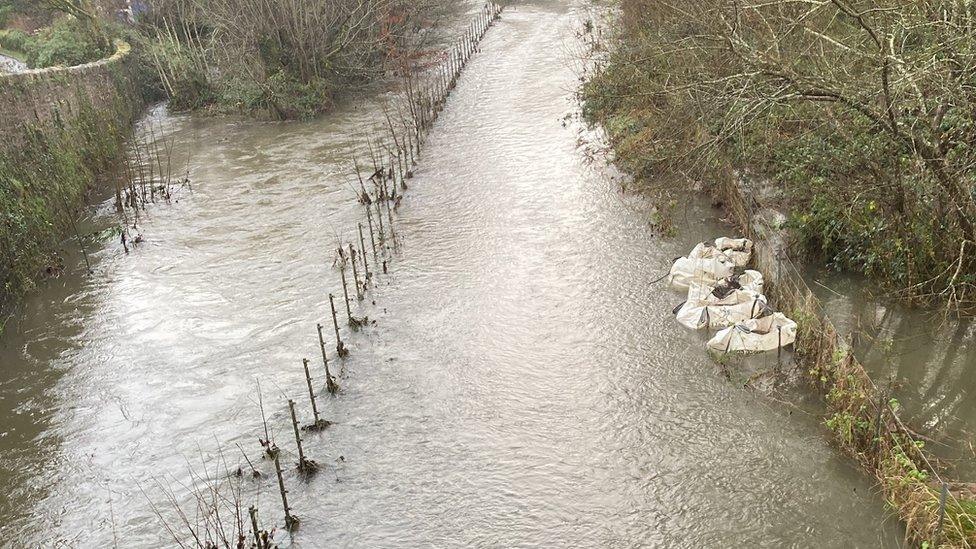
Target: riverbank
point(867, 154)
point(864, 418)
point(288, 61)
point(62, 129)
point(673, 130)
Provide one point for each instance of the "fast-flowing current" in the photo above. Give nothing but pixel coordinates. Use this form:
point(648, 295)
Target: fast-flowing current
point(524, 383)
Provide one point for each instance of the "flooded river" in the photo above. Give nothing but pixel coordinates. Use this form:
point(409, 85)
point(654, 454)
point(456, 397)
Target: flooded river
point(524, 385)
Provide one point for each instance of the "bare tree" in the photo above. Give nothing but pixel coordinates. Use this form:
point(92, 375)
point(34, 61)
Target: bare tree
point(900, 71)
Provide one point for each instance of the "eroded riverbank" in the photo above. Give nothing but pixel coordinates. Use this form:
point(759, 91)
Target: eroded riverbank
point(524, 384)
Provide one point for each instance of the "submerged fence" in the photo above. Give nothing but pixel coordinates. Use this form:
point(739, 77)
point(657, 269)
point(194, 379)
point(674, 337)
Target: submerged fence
point(936, 511)
point(382, 179)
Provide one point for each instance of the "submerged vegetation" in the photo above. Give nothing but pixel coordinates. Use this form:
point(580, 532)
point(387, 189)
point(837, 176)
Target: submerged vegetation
point(856, 112)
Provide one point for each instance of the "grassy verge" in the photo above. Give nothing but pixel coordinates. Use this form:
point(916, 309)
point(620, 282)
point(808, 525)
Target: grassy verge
point(13, 43)
point(18, 55)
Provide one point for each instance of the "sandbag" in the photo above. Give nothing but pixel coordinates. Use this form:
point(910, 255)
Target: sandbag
point(720, 312)
point(705, 265)
point(756, 335)
point(751, 280)
point(711, 294)
point(739, 250)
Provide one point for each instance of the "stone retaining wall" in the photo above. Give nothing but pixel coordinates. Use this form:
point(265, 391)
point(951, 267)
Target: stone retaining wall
point(46, 98)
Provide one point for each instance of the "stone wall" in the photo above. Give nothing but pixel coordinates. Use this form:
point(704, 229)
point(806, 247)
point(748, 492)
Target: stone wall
point(48, 98)
point(61, 131)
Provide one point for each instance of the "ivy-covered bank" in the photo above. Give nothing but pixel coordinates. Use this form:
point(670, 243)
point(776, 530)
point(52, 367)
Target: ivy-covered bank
point(61, 130)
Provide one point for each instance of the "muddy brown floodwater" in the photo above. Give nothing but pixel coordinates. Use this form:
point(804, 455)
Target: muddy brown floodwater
point(525, 384)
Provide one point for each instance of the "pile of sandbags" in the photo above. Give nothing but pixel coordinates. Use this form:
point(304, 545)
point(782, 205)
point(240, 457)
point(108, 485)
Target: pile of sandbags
point(722, 296)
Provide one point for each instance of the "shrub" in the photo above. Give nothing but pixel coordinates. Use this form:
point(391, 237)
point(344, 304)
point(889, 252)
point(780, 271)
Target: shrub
point(65, 43)
point(5, 12)
point(14, 40)
point(288, 59)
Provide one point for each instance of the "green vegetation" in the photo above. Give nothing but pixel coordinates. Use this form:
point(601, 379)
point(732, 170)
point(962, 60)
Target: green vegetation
point(10, 9)
point(71, 33)
point(861, 416)
point(15, 41)
point(66, 43)
point(857, 113)
point(282, 58)
point(43, 182)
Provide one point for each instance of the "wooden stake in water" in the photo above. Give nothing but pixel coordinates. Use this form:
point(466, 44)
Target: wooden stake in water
point(372, 237)
point(345, 288)
point(403, 174)
point(258, 543)
point(318, 424)
point(379, 217)
point(291, 521)
point(389, 213)
point(330, 383)
point(779, 345)
point(362, 247)
point(306, 466)
point(364, 196)
point(340, 347)
point(355, 276)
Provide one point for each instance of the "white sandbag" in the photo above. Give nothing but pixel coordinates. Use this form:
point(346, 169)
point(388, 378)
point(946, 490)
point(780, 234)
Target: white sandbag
point(705, 265)
point(712, 294)
point(756, 335)
point(739, 250)
point(751, 280)
point(717, 312)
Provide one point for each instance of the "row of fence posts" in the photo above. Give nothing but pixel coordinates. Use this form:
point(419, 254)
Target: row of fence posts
point(392, 157)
